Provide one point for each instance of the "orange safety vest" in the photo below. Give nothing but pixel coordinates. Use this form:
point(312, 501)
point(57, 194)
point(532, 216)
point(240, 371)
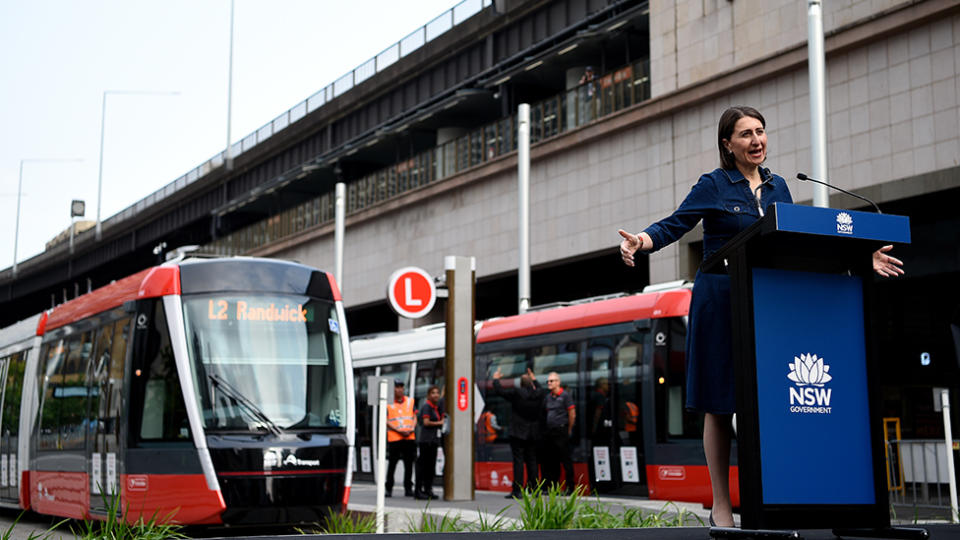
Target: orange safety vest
point(631, 416)
point(485, 428)
point(400, 416)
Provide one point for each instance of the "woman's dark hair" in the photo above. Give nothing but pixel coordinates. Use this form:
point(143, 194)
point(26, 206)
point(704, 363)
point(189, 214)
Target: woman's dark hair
point(728, 120)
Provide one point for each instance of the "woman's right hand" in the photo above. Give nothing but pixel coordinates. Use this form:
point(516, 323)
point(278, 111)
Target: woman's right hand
point(630, 244)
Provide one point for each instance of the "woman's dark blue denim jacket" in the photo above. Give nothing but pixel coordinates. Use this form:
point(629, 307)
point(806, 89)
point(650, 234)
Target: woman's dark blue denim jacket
point(723, 200)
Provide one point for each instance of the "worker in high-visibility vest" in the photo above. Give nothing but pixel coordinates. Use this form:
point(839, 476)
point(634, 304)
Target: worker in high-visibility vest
point(631, 416)
point(401, 439)
point(487, 427)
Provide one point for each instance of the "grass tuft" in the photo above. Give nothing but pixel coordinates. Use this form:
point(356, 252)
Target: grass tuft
point(115, 527)
point(430, 523)
point(344, 523)
point(550, 509)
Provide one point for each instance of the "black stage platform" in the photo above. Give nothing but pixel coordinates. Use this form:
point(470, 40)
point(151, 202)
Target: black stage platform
point(937, 532)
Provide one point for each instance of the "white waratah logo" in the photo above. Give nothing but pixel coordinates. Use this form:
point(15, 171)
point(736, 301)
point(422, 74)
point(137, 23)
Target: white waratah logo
point(809, 374)
point(844, 223)
point(809, 369)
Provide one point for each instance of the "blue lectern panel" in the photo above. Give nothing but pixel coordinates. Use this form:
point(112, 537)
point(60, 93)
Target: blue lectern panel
point(812, 401)
point(843, 223)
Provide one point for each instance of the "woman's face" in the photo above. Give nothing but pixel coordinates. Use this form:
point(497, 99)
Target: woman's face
point(748, 142)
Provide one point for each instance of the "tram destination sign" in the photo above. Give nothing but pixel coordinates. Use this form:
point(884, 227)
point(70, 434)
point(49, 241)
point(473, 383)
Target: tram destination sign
point(242, 310)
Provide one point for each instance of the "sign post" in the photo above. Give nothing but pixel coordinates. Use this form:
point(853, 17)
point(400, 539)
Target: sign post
point(459, 373)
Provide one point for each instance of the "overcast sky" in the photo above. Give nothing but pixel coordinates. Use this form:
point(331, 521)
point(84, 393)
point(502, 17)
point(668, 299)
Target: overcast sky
point(59, 56)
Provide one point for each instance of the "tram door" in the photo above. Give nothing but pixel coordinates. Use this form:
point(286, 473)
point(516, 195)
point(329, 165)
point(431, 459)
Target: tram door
point(11, 373)
point(105, 374)
point(612, 414)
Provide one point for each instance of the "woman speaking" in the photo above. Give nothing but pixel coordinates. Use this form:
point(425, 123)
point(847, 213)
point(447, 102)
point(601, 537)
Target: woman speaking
point(727, 200)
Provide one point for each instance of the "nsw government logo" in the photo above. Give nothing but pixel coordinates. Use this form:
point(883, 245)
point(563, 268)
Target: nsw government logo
point(844, 223)
point(809, 375)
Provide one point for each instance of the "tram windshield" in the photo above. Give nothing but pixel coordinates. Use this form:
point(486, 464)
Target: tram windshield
point(266, 362)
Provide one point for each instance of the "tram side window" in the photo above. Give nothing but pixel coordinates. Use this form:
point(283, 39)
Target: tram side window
point(107, 379)
point(599, 416)
point(163, 413)
point(364, 408)
point(72, 392)
point(674, 421)
point(48, 429)
point(511, 365)
point(398, 372)
point(12, 390)
point(429, 373)
point(630, 383)
point(562, 358)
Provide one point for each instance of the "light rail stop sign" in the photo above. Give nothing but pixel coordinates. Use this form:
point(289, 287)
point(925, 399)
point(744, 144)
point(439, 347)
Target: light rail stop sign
point(411, 292)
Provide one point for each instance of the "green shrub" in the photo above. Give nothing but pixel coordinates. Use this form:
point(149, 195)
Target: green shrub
point(7, 534)
point(115, 527)
point(344, 523)
point(430, 523)
point(498, 523)
point(552, 510)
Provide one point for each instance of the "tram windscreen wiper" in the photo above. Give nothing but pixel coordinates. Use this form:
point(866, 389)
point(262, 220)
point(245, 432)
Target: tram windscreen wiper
point(238, 397)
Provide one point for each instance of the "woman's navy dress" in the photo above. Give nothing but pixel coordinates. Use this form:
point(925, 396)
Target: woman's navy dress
point(723, 200)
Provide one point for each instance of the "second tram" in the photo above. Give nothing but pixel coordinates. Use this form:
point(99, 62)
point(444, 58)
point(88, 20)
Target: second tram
point(622, 358)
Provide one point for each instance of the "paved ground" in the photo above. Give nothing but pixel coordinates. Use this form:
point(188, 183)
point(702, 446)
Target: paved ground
point(32, 527)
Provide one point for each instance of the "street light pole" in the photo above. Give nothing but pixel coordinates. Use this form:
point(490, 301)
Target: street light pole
point(16, 229)
point(103, 124)
point(228, 158)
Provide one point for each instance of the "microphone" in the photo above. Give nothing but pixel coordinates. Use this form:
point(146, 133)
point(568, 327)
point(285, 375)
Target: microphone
point(756, 192)
point(806, 178)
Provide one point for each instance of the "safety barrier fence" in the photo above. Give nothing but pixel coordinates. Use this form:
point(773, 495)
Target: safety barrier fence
point(917, 473)
point(548, 118)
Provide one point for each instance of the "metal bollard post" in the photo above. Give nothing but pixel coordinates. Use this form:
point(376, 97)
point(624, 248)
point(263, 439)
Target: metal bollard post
point(381, 451)
point(948, 440)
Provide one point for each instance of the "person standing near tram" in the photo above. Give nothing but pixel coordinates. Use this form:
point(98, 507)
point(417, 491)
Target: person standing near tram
point(560, 415)
point(728, 200)
point(431, 436)
point(526, 408)
point(401, 439)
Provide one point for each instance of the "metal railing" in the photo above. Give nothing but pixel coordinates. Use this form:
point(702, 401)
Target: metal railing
point(616, 91)
point(917, 473)
point(413, 41)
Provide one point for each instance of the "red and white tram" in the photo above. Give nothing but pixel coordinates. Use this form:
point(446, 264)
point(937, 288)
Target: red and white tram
point(201, 391)
point(622, 358)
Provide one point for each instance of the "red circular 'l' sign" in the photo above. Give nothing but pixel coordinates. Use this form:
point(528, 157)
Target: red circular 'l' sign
point(411, 292)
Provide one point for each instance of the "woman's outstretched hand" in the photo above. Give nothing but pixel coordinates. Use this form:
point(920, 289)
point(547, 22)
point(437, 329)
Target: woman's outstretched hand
point(631, 243)
point(883, 264)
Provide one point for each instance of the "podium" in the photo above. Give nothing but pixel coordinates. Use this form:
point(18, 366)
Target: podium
point(809, 437)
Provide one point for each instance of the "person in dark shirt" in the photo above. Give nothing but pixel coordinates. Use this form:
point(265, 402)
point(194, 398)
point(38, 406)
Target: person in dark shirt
point(560, 415)
point(431, 422)
point(526, 404)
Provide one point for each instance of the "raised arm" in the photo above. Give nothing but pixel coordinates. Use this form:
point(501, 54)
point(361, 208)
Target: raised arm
point(702, 197)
